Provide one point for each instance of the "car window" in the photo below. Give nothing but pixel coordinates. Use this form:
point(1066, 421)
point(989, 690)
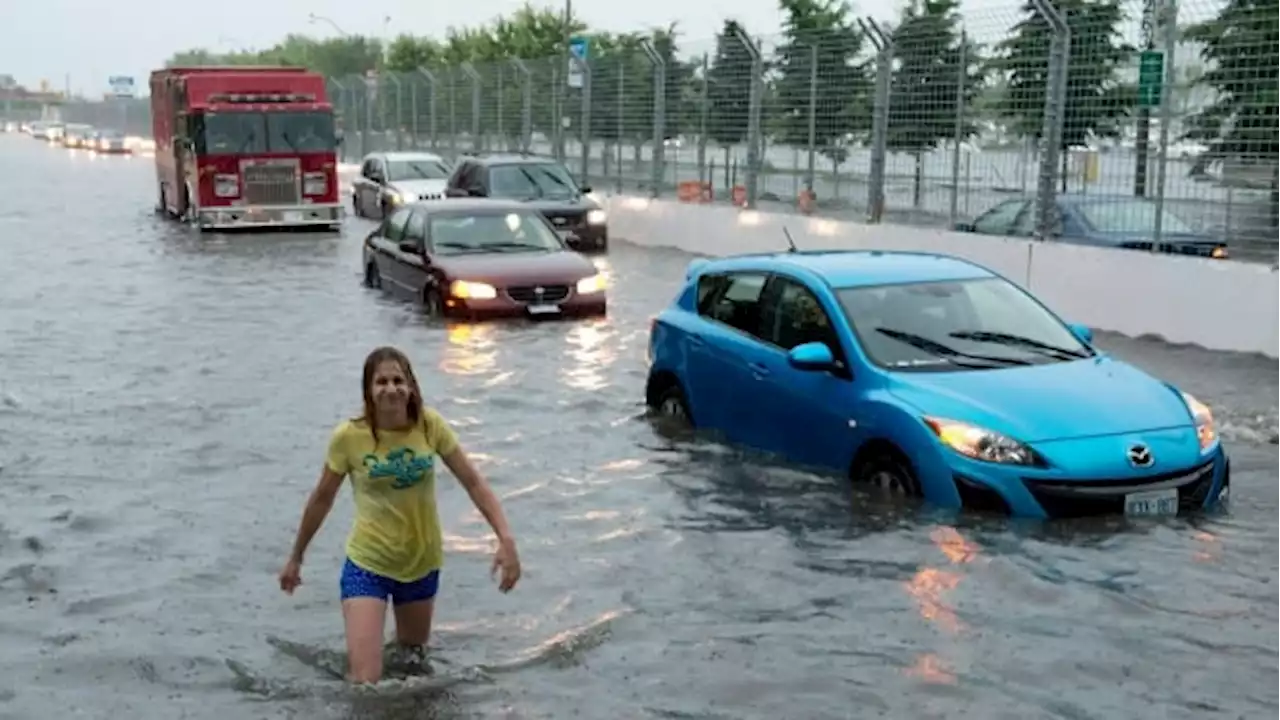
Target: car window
point(457, 233)
point(708, 287)
point(393, 228)
point(999, 219)
point(738, 302)
point(416, 169)
point(523, 181)
point(796, 317)
point(1135, 216)
point(416, 228)
point(1026, 224)
point(947, 325)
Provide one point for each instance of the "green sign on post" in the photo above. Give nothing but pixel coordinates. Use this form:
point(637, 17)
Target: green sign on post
point(1150, 78)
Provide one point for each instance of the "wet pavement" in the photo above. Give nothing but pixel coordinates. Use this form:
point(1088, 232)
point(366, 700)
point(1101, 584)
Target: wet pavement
point(165, 401)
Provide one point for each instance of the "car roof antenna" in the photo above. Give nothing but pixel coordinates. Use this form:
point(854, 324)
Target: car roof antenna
point(791, 244)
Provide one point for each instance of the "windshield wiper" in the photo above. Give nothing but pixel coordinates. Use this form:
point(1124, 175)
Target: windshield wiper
point(532, 179)
point(464, 247)
point(285, 136)
point(946, 351)
point(1019, 341)
point(517, 245)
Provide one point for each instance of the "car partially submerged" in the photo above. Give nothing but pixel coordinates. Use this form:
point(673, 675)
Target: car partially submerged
point(474, 258)
point(928, 375)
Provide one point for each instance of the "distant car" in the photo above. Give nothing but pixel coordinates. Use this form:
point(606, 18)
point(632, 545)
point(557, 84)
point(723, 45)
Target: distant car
point(389, 180)
point(927, 375)
point(481, 258)
point(540, 182)
point(76, 136)
point(110, 142)
point(1117, 221)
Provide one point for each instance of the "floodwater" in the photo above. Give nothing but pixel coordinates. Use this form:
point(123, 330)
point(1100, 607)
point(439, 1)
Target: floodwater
point(165, 401)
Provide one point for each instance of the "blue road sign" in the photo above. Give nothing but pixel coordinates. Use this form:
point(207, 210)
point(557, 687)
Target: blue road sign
point(579, 50)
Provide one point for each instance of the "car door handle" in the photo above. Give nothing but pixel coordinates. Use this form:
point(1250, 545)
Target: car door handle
point(759, 371)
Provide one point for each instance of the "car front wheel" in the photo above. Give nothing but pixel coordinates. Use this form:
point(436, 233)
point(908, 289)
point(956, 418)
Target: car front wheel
point(672, 405)
point(888, 473)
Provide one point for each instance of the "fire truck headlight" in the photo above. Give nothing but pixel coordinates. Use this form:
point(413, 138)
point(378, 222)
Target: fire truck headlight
point(226, 186)
point(314, 183)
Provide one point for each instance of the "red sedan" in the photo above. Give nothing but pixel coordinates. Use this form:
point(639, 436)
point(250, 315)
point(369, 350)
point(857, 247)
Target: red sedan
point(481, 258)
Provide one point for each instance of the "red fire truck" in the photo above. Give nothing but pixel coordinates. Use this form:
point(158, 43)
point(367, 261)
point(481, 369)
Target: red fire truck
point(245, 147)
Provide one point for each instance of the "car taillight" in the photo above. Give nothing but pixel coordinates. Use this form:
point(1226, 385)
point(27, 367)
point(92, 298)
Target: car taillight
point(226, 186)
point(315, 183)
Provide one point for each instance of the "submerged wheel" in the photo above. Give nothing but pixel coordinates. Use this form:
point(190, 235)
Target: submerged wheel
point(432, 305)
point(888, 472)
point(372, 278)
point(672, 405)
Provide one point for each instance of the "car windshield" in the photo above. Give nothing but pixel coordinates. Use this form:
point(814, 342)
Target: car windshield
point(458, 233)
point(962, 324)
point(1135, 216)
point(416, 169)
point(245, 133)
point(530, 180)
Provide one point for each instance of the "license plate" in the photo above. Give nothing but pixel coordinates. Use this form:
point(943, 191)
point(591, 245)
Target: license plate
point(1152, 503)
point(544, 309)
point(292, 216)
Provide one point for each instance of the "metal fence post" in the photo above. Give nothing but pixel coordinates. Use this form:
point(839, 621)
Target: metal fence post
point(704, 108)
point(622, 126)
point(659, 115)
point(369, 83)
point(755, 107)
point(526, 104)
point(453, 114)
point(584, 129)
point(958, 137)
point(1054, 116)
point(474, 76)
point(813, 117)
point(395, 79)
point(880, 116)
point(432, 84)
point(1169, 27)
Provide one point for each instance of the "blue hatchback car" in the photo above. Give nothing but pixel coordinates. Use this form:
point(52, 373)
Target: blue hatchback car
point(931, 376)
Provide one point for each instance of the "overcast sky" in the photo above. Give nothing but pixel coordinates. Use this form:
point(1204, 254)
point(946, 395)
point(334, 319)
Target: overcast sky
point(87, 41)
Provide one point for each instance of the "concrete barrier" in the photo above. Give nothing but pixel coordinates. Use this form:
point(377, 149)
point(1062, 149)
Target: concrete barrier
point(1216, 304)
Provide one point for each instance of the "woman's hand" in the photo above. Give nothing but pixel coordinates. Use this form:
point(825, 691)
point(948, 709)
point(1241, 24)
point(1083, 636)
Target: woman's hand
point(291, 575)
point(507, 561)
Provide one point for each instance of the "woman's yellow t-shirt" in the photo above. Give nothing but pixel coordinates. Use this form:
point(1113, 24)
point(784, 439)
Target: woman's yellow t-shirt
point(396, 532)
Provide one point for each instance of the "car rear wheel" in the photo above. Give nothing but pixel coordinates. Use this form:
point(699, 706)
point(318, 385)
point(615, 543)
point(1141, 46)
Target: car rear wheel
point(888, 473)
point(372, 278)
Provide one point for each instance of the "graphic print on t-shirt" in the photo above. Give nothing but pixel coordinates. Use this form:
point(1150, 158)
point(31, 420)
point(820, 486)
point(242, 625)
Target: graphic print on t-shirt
point(403, 466)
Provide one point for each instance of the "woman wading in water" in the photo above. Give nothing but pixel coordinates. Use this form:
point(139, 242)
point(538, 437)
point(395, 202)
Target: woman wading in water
point(395, 548)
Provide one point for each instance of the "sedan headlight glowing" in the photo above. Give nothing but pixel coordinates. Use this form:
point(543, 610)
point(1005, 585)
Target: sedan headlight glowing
point(472, 290)
point(981, 444)
point(597, 217)
point(593, 284)
point(1206, 430)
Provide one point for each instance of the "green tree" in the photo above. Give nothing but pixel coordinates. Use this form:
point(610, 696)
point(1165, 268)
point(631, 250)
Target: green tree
point(1243, 51)
point(934, 73)
point(1096, 104)
point(843, 85)
point(729, 90)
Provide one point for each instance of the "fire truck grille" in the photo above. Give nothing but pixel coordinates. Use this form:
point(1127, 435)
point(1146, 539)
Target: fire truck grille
point(272, 184)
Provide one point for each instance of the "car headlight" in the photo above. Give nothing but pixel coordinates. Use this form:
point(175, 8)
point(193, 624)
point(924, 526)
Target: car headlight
point(315, 183)
point(473, 290)
point(1206, 430)
point(597, 217)
point(982, 444)
point(593, 284)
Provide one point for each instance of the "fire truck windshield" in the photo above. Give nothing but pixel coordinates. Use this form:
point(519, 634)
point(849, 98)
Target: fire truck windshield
point(251, 133)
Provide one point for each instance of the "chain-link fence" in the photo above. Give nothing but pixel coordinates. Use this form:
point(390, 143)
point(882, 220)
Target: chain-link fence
point(933, 122)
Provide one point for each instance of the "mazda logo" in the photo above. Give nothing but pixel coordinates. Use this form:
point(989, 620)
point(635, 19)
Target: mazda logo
point(1140, 456)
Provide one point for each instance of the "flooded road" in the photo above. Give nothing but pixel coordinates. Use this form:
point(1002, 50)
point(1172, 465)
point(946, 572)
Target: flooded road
point(166, 399)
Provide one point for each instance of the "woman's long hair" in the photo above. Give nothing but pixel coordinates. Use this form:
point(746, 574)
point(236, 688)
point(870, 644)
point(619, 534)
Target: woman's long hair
point(371, 363)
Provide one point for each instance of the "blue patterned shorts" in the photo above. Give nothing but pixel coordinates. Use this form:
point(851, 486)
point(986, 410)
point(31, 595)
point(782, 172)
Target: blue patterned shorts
point(358, 582)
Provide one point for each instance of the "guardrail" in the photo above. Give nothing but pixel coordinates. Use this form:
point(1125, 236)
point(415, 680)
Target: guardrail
point(1211, 303)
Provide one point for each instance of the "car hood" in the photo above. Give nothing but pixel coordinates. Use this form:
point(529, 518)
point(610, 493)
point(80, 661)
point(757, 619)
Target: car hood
point(579, 203)
point(420, 187)
point(518, 268)
point(1037, 403)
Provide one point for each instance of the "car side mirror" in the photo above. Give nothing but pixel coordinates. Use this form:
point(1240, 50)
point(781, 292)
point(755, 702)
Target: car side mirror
point(475, 192)
point(1083, 333)
point(456, 193)
point(811, 357)
point(586, 189)
point(408, 246)
point(965, 227)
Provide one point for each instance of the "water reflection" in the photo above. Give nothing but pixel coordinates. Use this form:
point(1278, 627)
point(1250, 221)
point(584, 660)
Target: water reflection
point(930, 588)
point(590, 353)
point(470, 349)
